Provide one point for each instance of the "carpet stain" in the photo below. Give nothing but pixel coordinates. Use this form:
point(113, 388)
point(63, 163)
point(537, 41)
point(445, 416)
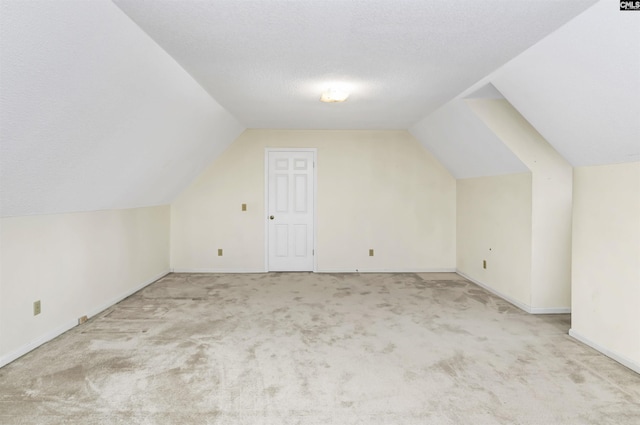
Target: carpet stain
point(272, 391)
point(305, 348)
point(577, 378)
point(390, 348)
point(452, 366)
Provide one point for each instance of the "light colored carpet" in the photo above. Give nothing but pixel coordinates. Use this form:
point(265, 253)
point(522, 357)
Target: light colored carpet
point(302, 348)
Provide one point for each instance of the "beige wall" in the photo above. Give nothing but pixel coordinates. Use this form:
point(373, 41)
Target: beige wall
point(606, 259)
point(376, 189)
point(551, 202)
point(494, 224)
point(76, 264)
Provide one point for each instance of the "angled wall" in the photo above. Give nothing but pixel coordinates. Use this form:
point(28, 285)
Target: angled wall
point(95, 115)
point(484, 136)
point(98, 126)
point(551, 197)
point(463, 143)
point(579, 87)
point(376, 189)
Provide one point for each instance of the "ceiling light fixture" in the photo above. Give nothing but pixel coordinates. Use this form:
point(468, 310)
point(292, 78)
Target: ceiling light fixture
point(334, 95)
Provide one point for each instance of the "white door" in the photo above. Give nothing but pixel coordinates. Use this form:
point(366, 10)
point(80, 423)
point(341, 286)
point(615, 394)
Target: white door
point(290, 210)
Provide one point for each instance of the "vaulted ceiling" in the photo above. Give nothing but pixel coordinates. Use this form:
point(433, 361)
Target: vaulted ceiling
point(267, 62)
point(579, 87)
point(121, 104)
point(94, 114)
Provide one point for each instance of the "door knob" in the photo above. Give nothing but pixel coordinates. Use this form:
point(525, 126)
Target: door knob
point(271, 217)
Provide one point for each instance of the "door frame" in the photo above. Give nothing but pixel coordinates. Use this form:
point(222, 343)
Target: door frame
point(315, 202)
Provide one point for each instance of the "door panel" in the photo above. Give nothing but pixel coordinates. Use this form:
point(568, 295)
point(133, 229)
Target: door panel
point(300, 239)
point(290, 210)
point(282, 193)
point(281, 239)
point(301, 187)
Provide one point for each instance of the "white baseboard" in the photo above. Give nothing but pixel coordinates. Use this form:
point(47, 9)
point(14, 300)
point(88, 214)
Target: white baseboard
point(443, 270)
point(439, 270)
point(231, 271)
point(615, 356)
point(507, 298)
point(550, 310)
point(520, 305)
point(102, 307)
point(21, 351)
point(48, 336)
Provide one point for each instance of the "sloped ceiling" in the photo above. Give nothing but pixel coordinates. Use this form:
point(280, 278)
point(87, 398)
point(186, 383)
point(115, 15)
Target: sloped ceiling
point(463, 144)
point(99, 112)
point(580, 87)
point(94, 115)
point(267, 62)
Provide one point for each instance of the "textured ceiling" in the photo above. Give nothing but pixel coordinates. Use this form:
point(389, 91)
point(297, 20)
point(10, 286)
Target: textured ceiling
point(267, 61)
point(580, 87)
point(464, 144)
point(94, 115)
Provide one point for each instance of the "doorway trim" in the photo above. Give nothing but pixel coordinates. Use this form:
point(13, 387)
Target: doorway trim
point(315, 202)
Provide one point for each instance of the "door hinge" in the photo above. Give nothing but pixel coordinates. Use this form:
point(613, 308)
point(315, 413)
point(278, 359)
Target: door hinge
point(313, 252)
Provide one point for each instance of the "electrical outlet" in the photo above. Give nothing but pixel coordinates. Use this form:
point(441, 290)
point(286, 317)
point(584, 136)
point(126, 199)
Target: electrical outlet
point(219, 252)
point(37, 308)
point(82, 319)
point(371, 253)
point(484, 264)
point(244, 207)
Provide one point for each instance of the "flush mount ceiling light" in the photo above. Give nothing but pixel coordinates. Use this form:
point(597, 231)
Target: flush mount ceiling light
point(334, 95)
